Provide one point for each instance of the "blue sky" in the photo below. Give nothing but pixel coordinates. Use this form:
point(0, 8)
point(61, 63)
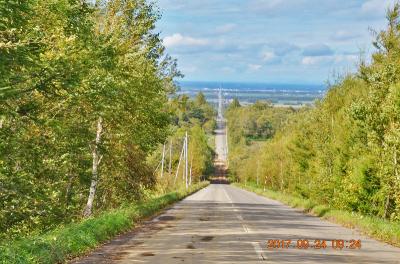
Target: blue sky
point(280, 41)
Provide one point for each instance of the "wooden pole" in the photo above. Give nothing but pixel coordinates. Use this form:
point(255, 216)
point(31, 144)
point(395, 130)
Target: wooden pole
point(162, 161)
point(190, 172)
point(186, 160)
point(179, 163)
point(170, 157)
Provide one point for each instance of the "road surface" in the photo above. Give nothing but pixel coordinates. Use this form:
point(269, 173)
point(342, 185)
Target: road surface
point(221, 148)
point(225, 224)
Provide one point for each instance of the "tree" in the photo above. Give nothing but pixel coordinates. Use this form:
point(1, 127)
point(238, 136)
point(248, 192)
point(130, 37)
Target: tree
point(83, 93)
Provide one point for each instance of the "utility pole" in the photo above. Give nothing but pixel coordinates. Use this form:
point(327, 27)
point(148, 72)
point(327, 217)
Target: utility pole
point(162, 161)
point(258, 170)
point(220, 104)
point(226, 139)
point(190, 171)
point(170, 157)
point(186, 160)
point(179, 163)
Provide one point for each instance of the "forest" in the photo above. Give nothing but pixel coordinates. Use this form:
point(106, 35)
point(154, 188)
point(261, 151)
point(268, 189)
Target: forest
point(87, 107)
point(342, 152)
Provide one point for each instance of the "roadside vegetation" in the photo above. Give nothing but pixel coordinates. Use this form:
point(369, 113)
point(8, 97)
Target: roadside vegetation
point(87, 107)
point(341, 154)
point(381, 229)
point(75, 239)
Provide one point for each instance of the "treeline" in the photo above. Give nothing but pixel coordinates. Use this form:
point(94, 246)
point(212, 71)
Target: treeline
point(345, 151)
point(85, 100)
point(196, 118)
point(248, 128)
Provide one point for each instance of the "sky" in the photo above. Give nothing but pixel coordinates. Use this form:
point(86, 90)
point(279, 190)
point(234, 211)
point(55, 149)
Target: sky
point(274, 41)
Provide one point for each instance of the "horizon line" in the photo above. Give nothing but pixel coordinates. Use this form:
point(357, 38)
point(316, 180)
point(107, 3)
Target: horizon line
point(254, 82)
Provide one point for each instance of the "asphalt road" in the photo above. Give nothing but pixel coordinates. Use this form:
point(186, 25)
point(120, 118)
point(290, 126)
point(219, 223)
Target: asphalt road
point(225, 224)
point(221, 148)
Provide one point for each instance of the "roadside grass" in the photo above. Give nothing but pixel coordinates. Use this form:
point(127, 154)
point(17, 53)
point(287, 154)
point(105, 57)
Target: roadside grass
point(374, 227)
point(76, 239)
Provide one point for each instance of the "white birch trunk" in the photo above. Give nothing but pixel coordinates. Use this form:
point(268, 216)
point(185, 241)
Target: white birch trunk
point(95, 164)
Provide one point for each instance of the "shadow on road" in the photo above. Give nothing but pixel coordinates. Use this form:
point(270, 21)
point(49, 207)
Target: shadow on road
point(220, 173)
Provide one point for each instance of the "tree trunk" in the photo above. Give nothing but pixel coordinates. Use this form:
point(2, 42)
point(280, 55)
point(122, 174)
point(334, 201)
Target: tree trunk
point(96, 162)
point(387, 203)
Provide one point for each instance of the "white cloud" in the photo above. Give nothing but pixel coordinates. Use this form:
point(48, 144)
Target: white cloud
point(268, 56)
point(376, 7)
point(179, 40)
point(343, 35)
point(228, 70)
point(333, 59)
point(189, 69)
point(265, 5)
point(283, 48)
point(317, 50)
point(318, 60)
point(225, 28)
point(346, 58)
point(254, 67)
point(310, 60)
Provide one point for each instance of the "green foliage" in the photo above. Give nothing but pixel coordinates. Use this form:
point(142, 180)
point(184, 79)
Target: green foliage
point(258, 121)
point(75, 239)
point(234, 104)
point(197, 118)
point(64, 64)
point(248, 128)
point(343, 152)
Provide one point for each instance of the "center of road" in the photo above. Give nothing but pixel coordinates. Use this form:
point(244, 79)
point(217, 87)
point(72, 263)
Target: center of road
point(256, 245)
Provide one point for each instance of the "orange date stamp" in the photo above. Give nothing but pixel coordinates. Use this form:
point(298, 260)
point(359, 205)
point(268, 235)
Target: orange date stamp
point(337, 244)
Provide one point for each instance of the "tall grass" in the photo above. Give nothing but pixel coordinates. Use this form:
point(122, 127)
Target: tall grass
point(374, 227)
point(76, 239)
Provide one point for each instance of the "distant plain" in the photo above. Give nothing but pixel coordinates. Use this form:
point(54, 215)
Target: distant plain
point(247, 93)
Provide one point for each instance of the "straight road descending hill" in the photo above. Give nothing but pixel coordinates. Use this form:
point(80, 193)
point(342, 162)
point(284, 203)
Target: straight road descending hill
point(221, 147)
point(224, 224)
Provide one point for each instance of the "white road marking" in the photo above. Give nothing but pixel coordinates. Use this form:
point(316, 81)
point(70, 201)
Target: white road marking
point(256, 245)
point(258, 250)
point(227, 196)
point(246, 229)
